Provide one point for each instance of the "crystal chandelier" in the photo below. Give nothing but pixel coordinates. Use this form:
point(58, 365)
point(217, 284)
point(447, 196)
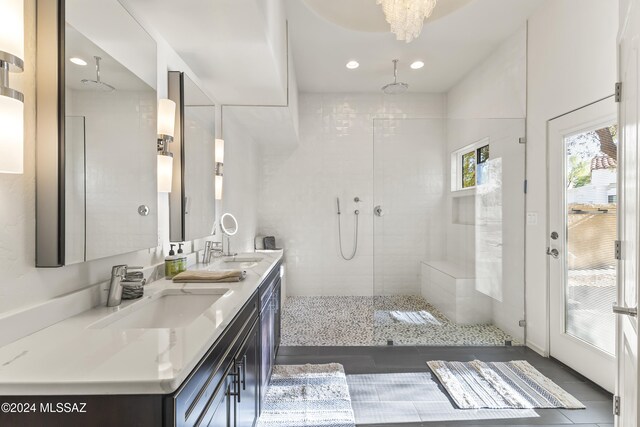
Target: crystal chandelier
point(406, 17)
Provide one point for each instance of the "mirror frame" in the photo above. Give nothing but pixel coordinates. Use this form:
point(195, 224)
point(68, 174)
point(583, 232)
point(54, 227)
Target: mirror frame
point(50, 158)
point(178, 199)
point(50, 132)
point(223, 228)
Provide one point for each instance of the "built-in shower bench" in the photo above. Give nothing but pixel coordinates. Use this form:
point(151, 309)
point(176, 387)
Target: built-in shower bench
point(450, 287)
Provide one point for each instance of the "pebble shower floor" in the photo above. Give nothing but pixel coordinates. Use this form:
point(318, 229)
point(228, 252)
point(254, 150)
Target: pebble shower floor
point(372, 320)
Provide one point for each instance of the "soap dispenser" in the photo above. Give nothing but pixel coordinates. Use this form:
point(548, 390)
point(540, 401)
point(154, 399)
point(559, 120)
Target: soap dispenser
point(171, 264)
point(182, 259)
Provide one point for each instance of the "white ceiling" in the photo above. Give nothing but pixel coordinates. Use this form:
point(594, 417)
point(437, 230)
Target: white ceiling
point(454, 40)
point(227, 43)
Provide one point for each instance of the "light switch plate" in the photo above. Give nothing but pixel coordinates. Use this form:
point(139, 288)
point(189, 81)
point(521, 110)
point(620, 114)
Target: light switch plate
point(532, 218)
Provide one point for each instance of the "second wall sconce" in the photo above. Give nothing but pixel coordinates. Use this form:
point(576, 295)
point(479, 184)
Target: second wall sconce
point(219, 154)
point(11, 101)
point(166, 128)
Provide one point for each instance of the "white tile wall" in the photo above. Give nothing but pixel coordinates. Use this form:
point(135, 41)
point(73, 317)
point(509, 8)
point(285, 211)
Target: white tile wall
point(335, 158)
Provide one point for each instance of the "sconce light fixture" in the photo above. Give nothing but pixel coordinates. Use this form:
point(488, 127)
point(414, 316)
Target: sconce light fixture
point(219, 153)
point(166, 127)
point(11, 101)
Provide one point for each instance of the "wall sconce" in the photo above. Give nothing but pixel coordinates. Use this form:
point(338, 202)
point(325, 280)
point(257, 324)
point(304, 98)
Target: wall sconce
point(11, 101)
point(166, 127)
point(219, 154)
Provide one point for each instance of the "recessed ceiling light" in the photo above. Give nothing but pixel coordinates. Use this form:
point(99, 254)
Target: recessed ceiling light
point(78, 61)
point(352, 65)
point(417, 65)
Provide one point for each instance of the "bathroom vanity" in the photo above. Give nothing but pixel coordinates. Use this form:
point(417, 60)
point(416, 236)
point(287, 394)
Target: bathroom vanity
point(118, 366)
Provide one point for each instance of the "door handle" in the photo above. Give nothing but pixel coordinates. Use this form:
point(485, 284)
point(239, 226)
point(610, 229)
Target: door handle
point(627, 311)
point(553, 253)
point(378, 211)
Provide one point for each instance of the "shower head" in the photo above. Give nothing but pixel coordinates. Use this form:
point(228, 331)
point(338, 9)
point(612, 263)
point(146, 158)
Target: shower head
point(396, 87)
point(97, 83)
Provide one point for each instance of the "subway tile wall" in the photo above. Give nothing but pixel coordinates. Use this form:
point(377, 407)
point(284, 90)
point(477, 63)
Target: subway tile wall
point(335, 158)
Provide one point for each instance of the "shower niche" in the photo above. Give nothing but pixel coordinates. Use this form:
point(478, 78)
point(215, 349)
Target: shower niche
point(96, 133)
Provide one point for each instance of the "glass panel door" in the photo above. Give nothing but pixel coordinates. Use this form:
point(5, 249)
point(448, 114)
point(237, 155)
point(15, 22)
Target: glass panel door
point(583, 175)
point(591, 227)
point(448, 232)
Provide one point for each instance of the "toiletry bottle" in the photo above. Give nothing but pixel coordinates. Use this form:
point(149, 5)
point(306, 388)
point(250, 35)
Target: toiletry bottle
point(182, 259)
point(171, 264)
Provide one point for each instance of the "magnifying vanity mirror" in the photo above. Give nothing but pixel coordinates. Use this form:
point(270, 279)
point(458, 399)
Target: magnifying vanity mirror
point(192, 197)
point(96, 132)
point(229, 224)
point(229, 227)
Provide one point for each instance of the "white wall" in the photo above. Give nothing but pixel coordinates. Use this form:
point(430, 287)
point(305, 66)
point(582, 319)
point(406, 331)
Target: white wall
point(22, 284)
point(299, 186)
point(571, 63)
point(497, 87)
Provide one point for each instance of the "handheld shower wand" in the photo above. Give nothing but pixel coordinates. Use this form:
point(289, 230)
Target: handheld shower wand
point(355, 236)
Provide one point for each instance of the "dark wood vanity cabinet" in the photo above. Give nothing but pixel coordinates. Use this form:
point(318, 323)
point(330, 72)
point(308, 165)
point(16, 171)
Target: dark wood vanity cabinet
point(227, 386)
point(270, 305)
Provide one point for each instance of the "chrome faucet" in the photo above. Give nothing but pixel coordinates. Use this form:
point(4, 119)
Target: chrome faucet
point(211, 249)
point(120, 277)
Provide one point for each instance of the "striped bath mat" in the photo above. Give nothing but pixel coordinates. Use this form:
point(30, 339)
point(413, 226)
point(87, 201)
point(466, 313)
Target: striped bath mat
point(500, 385)
point(307, 396)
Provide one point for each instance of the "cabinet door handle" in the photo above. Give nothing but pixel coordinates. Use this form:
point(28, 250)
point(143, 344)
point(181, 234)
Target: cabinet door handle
point(244, 372)
point(228, 406)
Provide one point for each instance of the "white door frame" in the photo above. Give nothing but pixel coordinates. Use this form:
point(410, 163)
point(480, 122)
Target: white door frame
point(570, 350)
point(627, 375)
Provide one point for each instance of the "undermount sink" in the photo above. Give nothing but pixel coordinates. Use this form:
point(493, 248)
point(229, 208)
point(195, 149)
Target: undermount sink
point(238, 262)
point(171, 308)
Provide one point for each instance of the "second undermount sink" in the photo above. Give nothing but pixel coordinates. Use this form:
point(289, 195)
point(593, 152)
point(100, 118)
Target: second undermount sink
point(238, 262)
point(171, 308)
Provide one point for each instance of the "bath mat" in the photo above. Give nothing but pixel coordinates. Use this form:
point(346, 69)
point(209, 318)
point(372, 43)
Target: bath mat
point(500, 385)
point(414, 317)
point(307, 396)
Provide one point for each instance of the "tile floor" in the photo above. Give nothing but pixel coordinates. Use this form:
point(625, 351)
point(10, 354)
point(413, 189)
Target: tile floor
point(366, 320)
point(379, 405)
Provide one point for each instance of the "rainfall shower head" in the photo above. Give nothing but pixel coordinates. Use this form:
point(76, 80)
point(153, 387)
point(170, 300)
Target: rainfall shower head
point(396, 87)
point(97, 83)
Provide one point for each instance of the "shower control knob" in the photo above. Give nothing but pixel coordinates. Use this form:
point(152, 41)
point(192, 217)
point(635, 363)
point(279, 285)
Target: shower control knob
point(378, 211)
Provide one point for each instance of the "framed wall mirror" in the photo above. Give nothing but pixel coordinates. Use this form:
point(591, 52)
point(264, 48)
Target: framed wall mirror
point(192, 197)
point(96, 133)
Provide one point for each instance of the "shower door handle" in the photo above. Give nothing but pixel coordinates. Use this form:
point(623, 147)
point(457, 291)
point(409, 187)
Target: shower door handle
point(378, 211)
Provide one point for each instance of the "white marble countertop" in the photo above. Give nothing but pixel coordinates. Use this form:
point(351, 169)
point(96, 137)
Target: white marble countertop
point(73, 358)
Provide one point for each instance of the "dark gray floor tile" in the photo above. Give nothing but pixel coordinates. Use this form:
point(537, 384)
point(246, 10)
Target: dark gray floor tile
point(586, 391)
point(596, 412)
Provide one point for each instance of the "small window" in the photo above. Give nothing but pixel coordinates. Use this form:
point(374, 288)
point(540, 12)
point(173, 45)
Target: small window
point(469, 169)
point(469, 165)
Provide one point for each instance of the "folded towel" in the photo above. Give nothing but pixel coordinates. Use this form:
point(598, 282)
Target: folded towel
point(210, 276)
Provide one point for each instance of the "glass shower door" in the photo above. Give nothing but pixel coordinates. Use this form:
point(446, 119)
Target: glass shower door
point(448, 232)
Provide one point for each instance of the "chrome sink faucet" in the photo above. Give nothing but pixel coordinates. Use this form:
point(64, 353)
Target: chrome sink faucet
point(120, 277)
point(211, 249)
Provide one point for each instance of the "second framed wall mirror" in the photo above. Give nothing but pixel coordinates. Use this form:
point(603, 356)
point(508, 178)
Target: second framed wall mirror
point(192, 197)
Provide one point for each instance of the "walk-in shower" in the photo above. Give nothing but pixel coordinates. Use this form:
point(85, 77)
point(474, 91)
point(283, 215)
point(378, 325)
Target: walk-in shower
point(437, 255)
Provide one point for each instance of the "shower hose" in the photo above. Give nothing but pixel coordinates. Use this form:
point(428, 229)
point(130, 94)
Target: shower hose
point(355, 237)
